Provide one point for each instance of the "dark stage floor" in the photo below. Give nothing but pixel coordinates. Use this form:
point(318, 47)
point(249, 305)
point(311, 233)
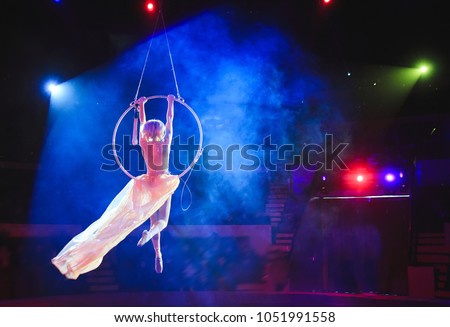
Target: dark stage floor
point(226, 299)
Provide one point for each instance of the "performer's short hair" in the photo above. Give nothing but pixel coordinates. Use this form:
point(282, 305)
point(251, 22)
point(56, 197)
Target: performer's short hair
point(154, 128)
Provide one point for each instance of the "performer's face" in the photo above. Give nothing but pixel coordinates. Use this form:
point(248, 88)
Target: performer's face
point(154, 131)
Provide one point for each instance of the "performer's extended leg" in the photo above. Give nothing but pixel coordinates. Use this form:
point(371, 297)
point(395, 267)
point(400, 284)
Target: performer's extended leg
point(156, 240)
point(158, 222)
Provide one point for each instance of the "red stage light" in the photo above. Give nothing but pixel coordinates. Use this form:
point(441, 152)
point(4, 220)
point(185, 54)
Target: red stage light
point(150, 6)
point(326, 2)
point(359, 178)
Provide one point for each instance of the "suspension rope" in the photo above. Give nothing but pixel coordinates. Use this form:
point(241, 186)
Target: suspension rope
point(170, 56)
point(179, 99)
point(146, 57)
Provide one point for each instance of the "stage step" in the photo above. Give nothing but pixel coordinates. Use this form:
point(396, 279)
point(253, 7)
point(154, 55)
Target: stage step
point(443, 294)
point(441, 249)
point(433, 258)
point(284, 239)
point(431, 250)
point(278, 251)
point(276, 214)
point(281, 221)
point(431, 239)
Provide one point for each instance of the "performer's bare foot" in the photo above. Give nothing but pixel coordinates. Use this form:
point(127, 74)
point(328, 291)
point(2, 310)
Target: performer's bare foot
point(144, 238)
point(158, 265)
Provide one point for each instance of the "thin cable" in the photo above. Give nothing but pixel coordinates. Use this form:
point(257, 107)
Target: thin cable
point(182, 192)
point(146, 57)
point(170, 56)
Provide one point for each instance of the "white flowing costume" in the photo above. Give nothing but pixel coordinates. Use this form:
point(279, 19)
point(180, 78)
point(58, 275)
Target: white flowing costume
point(137, 201)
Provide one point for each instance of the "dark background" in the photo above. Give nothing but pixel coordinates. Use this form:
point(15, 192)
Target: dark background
point(43, 39)
point(47, 39)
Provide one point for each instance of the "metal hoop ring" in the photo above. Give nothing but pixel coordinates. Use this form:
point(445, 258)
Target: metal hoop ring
point(184, 104)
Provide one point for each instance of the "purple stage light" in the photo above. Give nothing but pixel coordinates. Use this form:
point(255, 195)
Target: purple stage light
point(389, 177)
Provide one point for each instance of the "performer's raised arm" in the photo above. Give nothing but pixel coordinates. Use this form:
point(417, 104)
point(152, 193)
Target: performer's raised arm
point(140, 103)
point(169, 116)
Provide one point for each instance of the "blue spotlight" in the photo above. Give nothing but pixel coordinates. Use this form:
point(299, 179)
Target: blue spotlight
point(52, 87)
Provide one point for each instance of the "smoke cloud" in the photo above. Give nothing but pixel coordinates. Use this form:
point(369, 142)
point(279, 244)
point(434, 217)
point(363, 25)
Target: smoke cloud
point(245, 82)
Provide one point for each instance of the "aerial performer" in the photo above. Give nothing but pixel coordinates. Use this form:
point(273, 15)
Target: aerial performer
point(148, 195)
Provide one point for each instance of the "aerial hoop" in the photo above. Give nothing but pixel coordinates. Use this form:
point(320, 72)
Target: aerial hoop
point(184, 104)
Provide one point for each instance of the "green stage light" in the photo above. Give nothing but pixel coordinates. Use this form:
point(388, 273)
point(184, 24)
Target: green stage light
point(424, 68)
